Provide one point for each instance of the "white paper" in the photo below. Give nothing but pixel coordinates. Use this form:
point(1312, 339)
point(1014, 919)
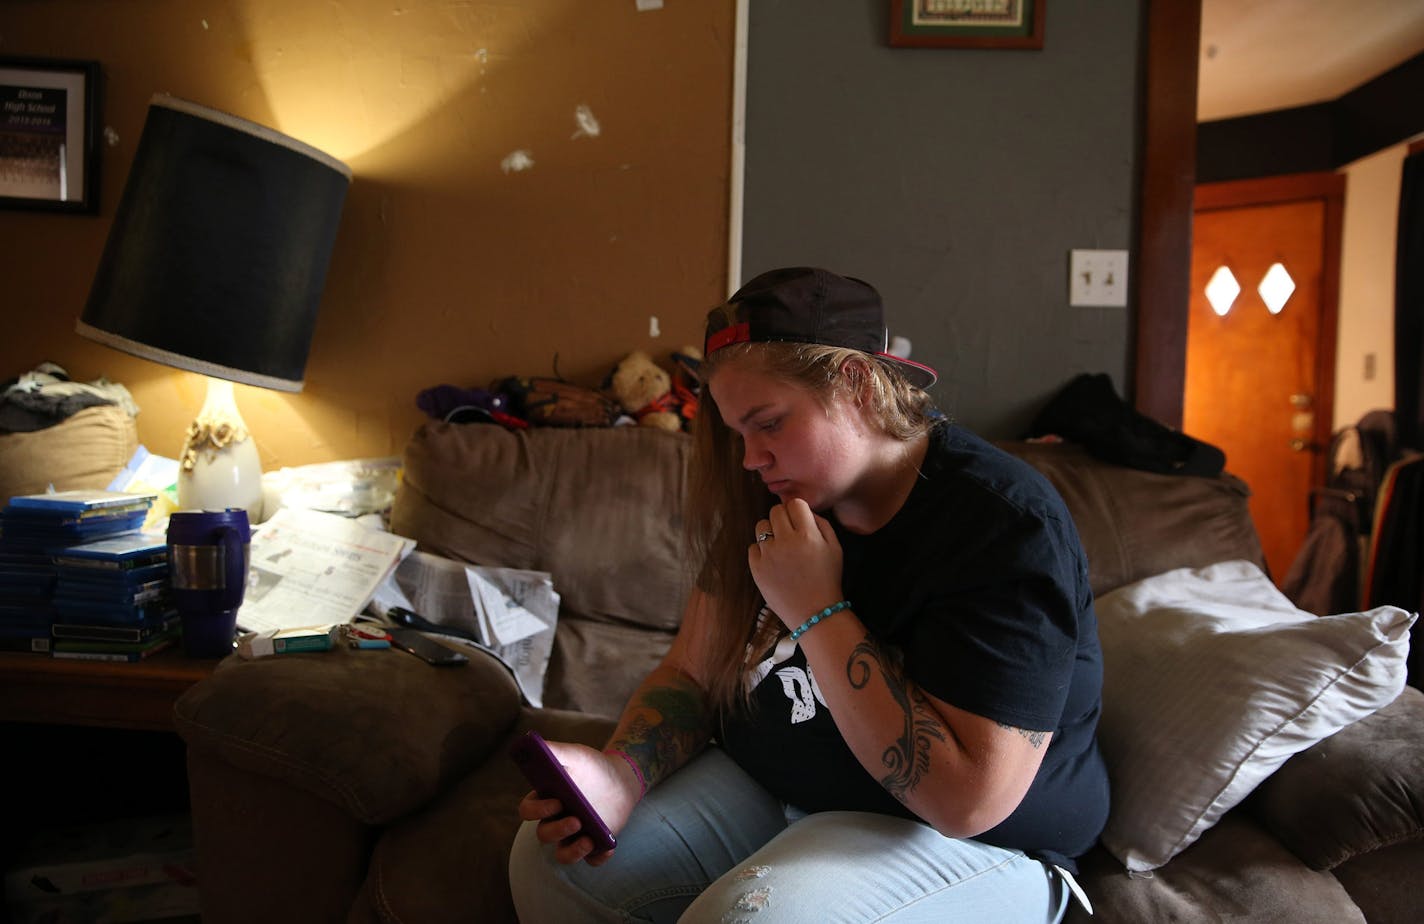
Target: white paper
point(308, 568)
point(511, 614)
point(505, 616)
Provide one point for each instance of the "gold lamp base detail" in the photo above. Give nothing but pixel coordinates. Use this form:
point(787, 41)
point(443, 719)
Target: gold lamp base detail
point(219, 466)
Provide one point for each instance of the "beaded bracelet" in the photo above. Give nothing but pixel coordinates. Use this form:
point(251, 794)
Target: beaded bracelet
point(637, 771)
point(806, 626)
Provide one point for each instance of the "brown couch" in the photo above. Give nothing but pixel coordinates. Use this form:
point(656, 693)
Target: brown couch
point(367, 786)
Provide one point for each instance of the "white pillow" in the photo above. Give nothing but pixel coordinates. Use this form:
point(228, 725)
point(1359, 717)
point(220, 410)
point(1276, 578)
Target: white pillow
point(1211, 680)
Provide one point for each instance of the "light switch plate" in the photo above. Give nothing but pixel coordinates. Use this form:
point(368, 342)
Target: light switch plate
point(1098, 278)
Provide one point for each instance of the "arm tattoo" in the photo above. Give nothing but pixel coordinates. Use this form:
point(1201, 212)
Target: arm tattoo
point(668, 724)
point(908, 758)
point(1034, 738)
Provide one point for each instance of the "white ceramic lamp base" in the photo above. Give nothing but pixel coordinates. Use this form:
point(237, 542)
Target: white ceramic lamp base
point(220, 467)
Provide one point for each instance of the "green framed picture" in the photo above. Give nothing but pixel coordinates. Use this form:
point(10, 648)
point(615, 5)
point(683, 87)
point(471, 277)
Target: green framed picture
point(967, 23)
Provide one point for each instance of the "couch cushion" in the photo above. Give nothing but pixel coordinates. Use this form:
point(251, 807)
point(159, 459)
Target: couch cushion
point(1385, 883)
point(1236, 872)
point(1135, 524)
point(1357, 791)
point(1212, 680)
point(600, 509)
point(84, 452)
point(377, 732)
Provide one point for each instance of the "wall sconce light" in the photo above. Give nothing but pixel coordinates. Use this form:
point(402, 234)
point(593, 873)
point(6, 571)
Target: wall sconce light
point(215, 264)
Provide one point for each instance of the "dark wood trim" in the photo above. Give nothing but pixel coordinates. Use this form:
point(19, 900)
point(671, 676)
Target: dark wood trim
point(1329, 187)
point(1328, 336)
point(1267, 190)
point(1164, 232)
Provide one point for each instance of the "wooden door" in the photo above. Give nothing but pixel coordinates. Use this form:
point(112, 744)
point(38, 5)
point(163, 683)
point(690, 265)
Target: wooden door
point(1260, 384)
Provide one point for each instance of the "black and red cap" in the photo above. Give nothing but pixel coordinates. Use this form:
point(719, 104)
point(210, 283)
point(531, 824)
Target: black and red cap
point(802, 304)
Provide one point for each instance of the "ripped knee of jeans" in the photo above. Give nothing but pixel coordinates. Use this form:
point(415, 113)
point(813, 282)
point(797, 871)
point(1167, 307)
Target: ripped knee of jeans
point(750, 901)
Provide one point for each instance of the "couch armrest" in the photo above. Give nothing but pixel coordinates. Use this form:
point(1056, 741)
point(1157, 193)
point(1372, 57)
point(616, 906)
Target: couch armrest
point(1357, 791)
point(378, 733)
point(454, 855)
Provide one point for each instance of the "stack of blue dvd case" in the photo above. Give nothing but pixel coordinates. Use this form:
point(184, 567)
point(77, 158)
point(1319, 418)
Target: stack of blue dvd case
point(112, 598)
point(33, 530)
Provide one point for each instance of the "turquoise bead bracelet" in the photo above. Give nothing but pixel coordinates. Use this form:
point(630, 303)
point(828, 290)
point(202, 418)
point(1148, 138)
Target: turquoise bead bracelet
point(806, 626)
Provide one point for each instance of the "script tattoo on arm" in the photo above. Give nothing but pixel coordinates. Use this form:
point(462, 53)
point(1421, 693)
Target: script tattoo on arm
point(669, 723)
point(908, 758)
point(1034, 738)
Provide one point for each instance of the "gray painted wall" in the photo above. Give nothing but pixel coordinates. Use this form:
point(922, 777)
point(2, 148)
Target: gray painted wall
point(954, 180)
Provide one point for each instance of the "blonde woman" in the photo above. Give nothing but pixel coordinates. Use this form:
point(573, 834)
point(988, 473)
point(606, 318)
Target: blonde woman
point(882, 700)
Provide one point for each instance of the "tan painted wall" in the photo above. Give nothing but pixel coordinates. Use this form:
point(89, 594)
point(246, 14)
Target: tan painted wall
point(447, 268)
point(1367, 270)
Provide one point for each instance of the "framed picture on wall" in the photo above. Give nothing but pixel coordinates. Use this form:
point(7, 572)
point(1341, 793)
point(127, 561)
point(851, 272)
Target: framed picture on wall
point(967, 23)
point(49, 130)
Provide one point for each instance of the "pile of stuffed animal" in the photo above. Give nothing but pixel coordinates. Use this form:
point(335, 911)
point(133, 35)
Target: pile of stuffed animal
point(637, 391)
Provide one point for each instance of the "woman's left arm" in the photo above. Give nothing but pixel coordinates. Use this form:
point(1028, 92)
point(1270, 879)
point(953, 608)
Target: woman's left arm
point(960, 772)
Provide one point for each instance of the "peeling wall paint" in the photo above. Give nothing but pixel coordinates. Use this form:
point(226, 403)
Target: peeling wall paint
point(517, 161)
point(588, 126)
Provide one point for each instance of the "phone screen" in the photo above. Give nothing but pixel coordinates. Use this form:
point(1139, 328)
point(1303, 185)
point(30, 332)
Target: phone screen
point(549, 779)
point(427, 650)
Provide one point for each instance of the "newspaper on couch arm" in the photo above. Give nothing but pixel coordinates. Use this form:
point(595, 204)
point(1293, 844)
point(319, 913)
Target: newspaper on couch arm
point(513, 613)
point(309, 569)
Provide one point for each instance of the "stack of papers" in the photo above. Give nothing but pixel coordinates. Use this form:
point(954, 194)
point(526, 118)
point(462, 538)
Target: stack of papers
point(313, 569)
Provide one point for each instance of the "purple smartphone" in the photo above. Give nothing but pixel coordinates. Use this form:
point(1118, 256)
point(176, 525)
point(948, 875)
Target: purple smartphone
point(544, 772)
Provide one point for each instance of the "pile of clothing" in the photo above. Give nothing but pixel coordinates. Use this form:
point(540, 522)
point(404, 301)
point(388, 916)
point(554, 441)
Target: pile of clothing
point(45, 396)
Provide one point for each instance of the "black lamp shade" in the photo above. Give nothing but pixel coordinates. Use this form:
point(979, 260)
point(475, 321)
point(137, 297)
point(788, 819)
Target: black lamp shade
point(218, 253)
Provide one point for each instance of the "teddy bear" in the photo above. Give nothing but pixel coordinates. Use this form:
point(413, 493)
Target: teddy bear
point(641, 387)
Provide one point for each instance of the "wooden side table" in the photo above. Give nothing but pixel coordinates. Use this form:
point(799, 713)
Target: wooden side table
point(106, 694)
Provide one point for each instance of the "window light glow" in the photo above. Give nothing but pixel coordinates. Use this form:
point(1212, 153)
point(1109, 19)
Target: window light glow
point(1222, 290)
point(1276, 288)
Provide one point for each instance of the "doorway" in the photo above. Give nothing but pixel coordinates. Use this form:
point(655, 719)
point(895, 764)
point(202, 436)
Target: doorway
point(1260, 359)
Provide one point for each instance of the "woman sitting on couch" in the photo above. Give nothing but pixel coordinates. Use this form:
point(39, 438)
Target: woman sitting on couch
point(924, 753)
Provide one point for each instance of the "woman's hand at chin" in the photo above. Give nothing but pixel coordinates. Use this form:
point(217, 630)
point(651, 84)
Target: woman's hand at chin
point(798, 567)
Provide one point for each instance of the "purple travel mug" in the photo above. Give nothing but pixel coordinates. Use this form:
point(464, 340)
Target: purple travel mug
point(207, 557)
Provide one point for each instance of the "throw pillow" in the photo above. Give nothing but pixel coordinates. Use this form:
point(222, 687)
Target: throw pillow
point(1212, 679)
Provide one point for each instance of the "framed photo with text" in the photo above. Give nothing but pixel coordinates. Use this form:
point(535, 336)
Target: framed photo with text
point(967, 23)
point(49, 133)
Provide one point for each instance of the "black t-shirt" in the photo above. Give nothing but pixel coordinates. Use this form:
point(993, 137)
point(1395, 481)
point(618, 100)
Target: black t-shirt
point(980, 580)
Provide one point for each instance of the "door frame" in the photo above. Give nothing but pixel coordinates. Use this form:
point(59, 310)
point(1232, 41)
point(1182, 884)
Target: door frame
point(1328, 187)
point(1162, 270)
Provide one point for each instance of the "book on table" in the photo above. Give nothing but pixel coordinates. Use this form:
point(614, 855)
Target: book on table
point(92, 650)
point(124, 552)
point(81, 502)
point(140, 627)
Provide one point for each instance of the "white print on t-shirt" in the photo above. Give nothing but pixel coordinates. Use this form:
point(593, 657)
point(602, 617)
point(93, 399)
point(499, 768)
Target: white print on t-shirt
point(799, 685)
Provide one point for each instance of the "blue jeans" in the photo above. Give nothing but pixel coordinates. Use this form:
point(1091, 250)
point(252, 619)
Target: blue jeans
point(710, 845)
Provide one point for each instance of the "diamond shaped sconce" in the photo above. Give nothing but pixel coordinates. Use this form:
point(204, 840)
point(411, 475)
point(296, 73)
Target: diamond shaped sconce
point(1276, 288)
point(1222, 289)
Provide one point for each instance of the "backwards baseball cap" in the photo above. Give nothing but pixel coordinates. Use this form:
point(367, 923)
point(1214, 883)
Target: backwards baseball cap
point(802, 304)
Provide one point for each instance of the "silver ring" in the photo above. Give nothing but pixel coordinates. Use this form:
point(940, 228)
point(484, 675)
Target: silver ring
point(762, 537)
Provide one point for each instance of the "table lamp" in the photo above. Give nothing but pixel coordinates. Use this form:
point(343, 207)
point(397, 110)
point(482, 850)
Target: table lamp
point(215, 264)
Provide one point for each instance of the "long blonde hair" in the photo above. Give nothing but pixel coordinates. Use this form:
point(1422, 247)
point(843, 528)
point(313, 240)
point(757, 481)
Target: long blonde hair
point(725, 500)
